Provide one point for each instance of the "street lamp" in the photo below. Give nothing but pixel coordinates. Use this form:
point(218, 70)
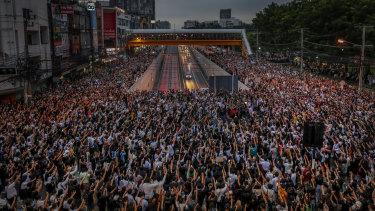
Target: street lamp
point(342, 41)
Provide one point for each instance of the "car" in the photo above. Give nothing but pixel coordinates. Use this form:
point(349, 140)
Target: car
point(188, 75)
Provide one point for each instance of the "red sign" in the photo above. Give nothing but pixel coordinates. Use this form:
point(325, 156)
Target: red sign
point(62, 9)
point(76, 44)
point(57, 42)
point(109, 26)
point(66, 9)
point(109, 33)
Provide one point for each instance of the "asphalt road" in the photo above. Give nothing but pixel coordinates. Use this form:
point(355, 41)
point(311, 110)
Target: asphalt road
point(197, 81)
point(177, 63)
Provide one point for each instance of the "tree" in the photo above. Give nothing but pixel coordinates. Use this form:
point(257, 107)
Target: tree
point(325, 20)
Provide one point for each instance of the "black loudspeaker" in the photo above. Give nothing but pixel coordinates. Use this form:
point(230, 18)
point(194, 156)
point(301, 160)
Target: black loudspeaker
point(224, 82)
point(313, 134)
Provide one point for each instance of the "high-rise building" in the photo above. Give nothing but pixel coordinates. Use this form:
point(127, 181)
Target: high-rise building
point(119, 3)
point(230, 23)
point(191, 24)
point(143, 9)
point(225, 13)
point(163, 24)
point(227, 21)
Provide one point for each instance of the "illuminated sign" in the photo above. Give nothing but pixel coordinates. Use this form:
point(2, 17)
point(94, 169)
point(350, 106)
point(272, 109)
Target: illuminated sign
point(91, 6)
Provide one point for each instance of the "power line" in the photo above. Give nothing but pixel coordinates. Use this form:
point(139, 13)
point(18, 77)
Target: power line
point(324, 35)
point(279, 44)
point(273, 33)
point(328, 55)
point(330, 46)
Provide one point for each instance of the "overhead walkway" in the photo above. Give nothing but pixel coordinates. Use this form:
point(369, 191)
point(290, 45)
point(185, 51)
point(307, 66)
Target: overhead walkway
point(142, 37)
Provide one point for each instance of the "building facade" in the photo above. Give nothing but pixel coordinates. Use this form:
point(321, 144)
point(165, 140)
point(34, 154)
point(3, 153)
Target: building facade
point(227, 21)
point(230, 22)
point(210, 24)
point(123, 24)
point(74, 37)
point(48, 39)
point(191, 24)
point(144, 10)
point(162, 24)
point(25, 51)
point(225, 13)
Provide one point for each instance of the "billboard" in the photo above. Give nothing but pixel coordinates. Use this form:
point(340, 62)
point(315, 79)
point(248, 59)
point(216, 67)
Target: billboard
point(65, 46)
point(76, 44)
point(64, 28)
point(62, 9)
point(66, 9)
point(109, 28)
point(60, 28)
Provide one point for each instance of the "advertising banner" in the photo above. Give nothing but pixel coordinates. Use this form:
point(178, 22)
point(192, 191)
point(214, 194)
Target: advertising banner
point(62, 9)
point(109, 25)
point(65, 46)
point(66, 9)
point(109, 20)
point(76, 44)
point(60, 28)
point(64, 31)
point(56, 28)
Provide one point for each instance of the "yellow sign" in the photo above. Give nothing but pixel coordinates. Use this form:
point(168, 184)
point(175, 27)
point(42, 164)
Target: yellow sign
point(90, 6)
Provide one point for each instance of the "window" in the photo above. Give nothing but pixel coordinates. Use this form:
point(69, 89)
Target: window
point(7, 71)
point(33, 37)
point(44, 34)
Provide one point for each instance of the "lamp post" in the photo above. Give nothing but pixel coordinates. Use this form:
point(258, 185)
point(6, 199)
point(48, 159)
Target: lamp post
point(342, 41)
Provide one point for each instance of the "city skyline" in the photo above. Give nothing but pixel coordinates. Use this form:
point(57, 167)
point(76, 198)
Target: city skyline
point(178, 11)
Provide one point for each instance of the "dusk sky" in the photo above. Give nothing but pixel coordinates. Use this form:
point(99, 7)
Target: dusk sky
point(177, 11)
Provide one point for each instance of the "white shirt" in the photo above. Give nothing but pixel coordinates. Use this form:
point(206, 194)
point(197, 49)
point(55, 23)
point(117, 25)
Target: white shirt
point(232, 179)
point(144, 203)
point(265, 164)
point(149, 188)
point(11, 190)
point(294, 177)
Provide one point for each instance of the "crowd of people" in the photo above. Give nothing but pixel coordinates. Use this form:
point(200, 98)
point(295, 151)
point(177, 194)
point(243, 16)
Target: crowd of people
point(93, 145)
point(338, 71)
point(342, 72)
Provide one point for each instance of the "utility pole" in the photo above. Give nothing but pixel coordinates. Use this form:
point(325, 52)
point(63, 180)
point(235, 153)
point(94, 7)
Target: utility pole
point(301, 49)
point(91, 14)
point(362, 57)
point(257, 45)
point(27, 83)
point(52, 46)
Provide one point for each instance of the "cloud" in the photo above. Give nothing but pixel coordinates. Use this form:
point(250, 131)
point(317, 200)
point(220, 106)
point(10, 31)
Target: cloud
point(177, 11)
